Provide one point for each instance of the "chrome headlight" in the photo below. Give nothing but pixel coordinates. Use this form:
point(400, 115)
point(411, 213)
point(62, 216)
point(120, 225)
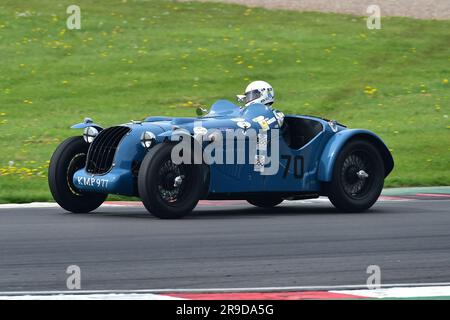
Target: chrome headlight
point(89, 134)
point(148, 139)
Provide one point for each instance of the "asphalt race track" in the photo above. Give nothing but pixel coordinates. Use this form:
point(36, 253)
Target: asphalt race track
point(225, 246)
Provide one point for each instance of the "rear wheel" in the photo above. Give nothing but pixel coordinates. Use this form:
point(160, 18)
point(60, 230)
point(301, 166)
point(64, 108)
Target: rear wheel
point(358, 177)
point(69, 157)
point(168, 190)
point(265, 202)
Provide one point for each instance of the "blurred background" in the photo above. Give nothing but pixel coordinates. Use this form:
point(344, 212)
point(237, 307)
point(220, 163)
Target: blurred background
point(135, 58)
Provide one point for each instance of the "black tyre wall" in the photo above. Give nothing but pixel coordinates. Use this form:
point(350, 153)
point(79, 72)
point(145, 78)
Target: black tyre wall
point(148, 188)
point(335, 190)
point(60, 183)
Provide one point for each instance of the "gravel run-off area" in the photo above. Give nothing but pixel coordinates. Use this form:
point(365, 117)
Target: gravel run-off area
point(421, 9)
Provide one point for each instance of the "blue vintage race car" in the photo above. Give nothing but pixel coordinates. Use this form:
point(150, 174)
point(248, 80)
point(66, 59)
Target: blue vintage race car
point(255, 153)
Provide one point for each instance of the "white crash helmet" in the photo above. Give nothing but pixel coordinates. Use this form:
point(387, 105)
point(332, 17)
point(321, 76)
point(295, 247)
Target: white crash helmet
point(258, 92)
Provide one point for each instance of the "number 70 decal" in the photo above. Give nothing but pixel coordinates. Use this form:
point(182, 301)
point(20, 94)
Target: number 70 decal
point(298, 166)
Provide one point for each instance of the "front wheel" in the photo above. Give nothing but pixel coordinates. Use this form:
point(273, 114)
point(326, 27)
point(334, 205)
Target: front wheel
point(358, 177)
point(168, 190)
point(69, 157)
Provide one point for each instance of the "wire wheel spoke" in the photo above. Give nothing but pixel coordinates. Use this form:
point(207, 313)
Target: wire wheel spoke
point(356, 174)
point(171, 181)
point(77, 162)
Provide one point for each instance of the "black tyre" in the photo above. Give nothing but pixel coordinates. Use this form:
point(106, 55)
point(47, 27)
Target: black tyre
point(358, 177)
point(169, 191)
point(69, 157)
point(265, 202)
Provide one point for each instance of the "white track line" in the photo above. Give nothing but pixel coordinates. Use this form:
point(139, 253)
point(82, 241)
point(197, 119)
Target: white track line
point(106, 296)
point(29, 205)
point(419, 292)
point(139, 204)
point(224, 290)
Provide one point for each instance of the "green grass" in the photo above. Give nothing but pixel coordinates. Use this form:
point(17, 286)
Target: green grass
point(132, 59)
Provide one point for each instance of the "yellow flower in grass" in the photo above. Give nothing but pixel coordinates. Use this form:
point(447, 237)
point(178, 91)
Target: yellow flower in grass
point(445, 81)
point(369, 90)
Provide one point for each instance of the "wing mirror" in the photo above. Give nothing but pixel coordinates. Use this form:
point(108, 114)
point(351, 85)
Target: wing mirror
point(201, 111)
point(240, 98)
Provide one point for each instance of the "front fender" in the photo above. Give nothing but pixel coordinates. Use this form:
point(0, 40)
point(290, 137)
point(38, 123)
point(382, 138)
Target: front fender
point(337, 142)
point(83, 125)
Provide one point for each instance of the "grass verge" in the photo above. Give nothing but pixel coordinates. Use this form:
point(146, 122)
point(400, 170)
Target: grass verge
point(132, 59)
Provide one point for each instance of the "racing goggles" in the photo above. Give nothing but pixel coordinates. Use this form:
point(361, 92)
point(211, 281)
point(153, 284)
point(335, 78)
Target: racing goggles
point(252, 95)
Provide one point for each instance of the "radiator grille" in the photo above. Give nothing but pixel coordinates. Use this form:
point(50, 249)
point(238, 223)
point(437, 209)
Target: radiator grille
point(102, 150)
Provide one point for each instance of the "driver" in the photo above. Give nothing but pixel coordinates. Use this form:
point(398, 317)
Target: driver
point(258, 92)
point(262, 92)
